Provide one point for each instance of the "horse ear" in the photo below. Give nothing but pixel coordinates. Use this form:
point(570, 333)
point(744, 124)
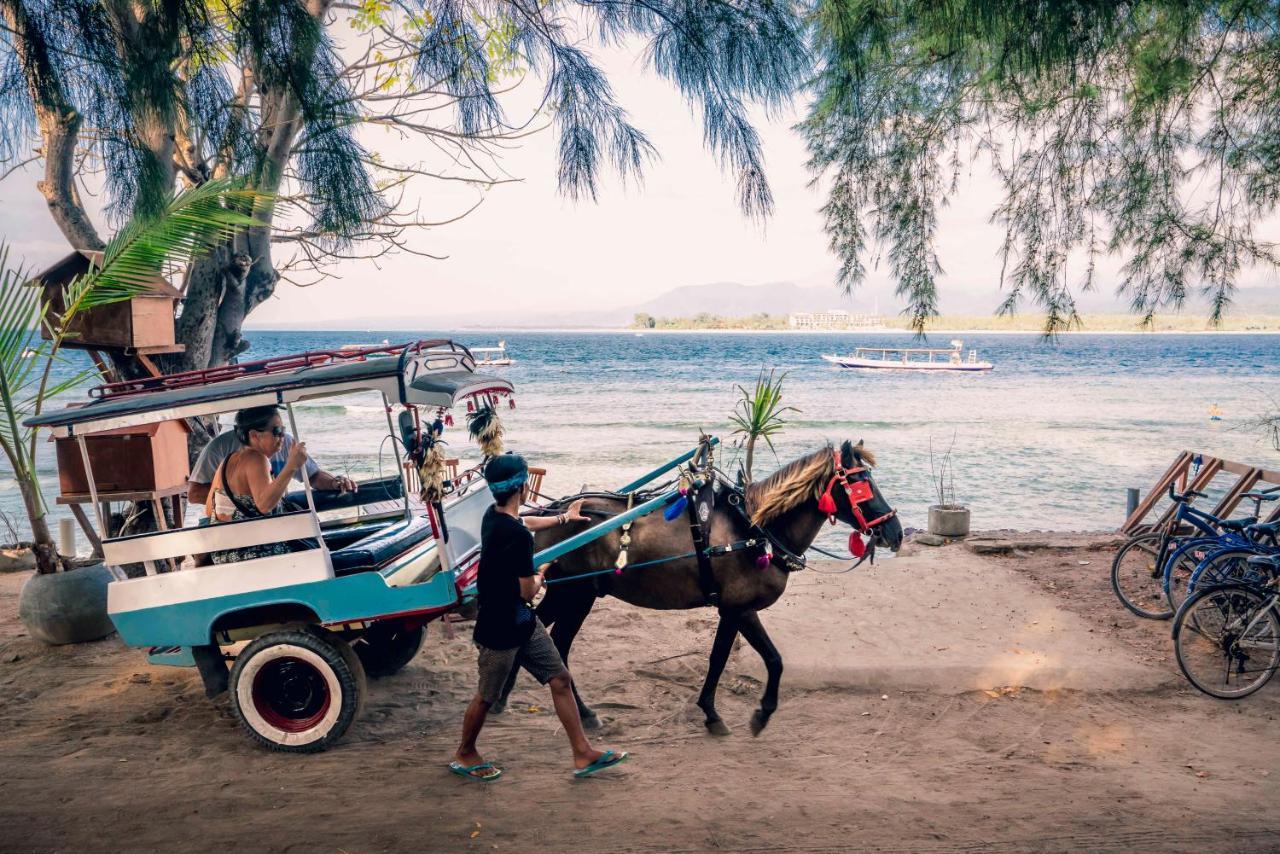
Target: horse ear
point(848, 454)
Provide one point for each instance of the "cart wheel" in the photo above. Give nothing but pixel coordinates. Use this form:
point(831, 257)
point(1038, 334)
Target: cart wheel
point(384, 650)
point(297, 690)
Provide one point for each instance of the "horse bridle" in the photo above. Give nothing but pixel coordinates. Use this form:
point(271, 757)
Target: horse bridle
point(859, 491)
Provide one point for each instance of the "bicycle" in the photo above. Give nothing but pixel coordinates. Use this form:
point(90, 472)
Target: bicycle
point(1139, 568)
point(1227, 637)
point(1230, 562)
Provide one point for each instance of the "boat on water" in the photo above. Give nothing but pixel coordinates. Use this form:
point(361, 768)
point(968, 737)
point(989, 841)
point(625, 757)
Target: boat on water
point(912, 359)
point(493, 357)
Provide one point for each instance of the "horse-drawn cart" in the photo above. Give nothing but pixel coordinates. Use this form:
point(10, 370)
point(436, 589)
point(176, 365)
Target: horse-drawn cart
point(364, 572)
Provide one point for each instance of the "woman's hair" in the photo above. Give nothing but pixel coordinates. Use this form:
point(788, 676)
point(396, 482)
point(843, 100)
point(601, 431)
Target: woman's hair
point(506, 473)
point(255, 418)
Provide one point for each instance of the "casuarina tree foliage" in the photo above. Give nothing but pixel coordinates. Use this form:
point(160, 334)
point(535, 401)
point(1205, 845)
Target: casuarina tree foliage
point(145, 95)
point(1148, 129)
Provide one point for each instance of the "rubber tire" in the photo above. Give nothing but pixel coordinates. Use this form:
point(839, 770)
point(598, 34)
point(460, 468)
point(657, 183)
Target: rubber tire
point(1153, 539)
point(329, 654)
point(385, 651)
point(1189, 606)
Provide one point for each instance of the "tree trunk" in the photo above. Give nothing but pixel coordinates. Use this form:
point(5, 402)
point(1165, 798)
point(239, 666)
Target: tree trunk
point(59, 124)
point(751, 454)
point(46, 553)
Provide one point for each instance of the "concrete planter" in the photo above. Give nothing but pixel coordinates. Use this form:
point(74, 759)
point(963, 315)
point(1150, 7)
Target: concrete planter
point(949, 520)
point(67, 607)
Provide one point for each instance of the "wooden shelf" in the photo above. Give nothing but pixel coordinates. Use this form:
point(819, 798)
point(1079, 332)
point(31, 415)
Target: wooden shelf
point(141, 495)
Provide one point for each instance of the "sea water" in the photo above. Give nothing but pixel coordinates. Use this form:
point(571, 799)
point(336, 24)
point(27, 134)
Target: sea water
point(1050, 439)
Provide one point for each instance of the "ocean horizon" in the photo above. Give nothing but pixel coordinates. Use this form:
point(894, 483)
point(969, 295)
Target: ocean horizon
point(1049, 440)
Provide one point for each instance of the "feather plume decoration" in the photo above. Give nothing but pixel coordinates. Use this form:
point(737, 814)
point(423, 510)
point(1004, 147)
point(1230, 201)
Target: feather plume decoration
point(486, 428)
point(431, 474)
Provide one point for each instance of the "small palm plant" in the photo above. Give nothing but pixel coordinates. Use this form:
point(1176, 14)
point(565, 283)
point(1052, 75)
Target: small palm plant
point(758, 414)
point(193, 223)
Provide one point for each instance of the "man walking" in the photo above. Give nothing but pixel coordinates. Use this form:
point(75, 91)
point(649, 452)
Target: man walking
point(508, 632)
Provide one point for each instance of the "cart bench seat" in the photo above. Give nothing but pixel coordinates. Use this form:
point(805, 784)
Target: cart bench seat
point(374, 551)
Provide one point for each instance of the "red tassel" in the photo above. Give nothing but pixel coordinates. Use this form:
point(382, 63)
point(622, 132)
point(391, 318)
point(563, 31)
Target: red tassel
point(471, 406)
point(448, 419)
point(511, 403)
point(827, 504)
point(857, 547)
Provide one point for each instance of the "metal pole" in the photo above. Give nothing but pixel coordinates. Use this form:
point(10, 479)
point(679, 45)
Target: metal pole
point(595, 532)
point(306, 483)
point(404, 475)
point(683, 458)
point(1131, 502)
point(93, 487)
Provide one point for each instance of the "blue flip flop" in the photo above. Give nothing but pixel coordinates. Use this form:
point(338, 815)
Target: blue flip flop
point(469, 771)
point(607, 760)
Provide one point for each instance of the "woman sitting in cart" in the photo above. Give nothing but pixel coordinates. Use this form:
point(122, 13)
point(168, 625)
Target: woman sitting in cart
point(243, 486)
point(227, 443)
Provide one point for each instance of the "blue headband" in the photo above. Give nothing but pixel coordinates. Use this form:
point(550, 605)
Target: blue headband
point(511, 484)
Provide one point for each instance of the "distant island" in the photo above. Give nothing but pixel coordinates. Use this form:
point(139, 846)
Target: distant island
point(1029, 322)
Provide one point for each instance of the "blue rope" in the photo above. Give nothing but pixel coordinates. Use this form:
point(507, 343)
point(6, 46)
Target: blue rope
point(582, 575)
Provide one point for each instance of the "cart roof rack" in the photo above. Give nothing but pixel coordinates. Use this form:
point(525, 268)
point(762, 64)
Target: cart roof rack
point(431, 373)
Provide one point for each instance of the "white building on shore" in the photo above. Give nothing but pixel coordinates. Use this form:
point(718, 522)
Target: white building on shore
point(834, 319)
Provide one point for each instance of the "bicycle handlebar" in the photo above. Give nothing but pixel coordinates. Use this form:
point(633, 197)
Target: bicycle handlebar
point(1184, 497)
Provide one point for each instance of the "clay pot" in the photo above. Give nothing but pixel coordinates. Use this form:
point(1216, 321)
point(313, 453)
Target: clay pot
point(67, 607)
point(949, 520)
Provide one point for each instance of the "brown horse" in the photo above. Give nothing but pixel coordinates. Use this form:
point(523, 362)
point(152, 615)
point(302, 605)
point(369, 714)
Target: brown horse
point(785, 506)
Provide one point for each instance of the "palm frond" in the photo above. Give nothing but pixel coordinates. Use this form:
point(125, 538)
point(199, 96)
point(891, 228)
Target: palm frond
point(193, 223)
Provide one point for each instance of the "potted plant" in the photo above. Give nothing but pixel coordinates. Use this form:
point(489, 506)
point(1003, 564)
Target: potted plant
point(758, 415)
point(947, 518)
point(64, 601)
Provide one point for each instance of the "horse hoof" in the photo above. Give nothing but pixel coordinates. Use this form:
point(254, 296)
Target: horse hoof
point(718, 728)
point(591, 721)
point(759, 720)
point(498, 707)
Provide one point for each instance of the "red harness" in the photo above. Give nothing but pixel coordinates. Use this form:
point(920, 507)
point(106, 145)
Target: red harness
point(859, 491)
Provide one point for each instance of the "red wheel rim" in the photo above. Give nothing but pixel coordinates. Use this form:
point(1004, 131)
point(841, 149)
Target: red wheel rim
point(291, 694)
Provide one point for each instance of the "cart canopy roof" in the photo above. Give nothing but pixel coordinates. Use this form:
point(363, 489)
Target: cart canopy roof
point(437, 373)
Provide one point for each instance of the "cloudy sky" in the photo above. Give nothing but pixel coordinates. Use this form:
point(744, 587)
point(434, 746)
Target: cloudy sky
point(526, 247)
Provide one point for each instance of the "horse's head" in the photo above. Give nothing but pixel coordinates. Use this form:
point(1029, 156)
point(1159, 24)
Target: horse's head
point(853, 497)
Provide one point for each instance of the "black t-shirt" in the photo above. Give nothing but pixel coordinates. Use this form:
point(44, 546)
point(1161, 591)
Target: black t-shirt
point(506, 556)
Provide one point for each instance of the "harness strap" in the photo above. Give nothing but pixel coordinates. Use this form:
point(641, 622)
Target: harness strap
point(706, 578)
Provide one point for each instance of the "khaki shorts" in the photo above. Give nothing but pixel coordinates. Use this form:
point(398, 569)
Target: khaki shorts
point(538, 655)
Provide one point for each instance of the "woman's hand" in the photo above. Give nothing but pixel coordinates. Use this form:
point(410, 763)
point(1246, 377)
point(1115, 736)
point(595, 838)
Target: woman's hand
point(297, 456)
point(573, 513)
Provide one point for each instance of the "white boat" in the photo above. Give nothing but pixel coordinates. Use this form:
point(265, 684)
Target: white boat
point(492, 357)
point(912, 359)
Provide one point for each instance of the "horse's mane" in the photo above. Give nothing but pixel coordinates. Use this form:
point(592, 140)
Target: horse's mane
point(797, 481)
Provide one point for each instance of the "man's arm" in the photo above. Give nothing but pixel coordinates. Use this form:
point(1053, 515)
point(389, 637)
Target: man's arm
point(572, 513)
point(197, 493)
point(323, 480)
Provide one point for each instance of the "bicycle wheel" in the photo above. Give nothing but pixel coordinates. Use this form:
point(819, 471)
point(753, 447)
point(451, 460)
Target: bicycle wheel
point(1227, 640)
point(1137, 580)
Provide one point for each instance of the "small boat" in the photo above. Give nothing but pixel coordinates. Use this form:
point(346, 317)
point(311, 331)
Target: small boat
point(493, 357)
point(912, 359)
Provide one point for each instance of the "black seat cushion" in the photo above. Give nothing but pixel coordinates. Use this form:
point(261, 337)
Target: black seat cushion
point(1238, 525)
point(341, 537)
point(370, 492)
point(379, 548)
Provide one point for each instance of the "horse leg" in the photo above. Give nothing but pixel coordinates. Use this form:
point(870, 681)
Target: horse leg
point(753, 630)
point(720, 649)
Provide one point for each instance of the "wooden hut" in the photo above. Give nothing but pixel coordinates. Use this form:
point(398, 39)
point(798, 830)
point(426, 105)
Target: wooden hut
point(142, 325)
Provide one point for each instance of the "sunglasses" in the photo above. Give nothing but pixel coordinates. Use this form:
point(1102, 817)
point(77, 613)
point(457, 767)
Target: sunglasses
point(276, 430)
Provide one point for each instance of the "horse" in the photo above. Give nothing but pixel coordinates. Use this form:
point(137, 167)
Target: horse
point(787, 510)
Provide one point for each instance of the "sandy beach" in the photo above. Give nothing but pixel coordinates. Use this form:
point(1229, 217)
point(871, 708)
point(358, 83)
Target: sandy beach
point(947, 700)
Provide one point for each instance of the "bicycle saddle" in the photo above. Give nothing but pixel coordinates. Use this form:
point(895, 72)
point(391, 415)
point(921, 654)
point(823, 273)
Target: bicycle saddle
point(1238, 525)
